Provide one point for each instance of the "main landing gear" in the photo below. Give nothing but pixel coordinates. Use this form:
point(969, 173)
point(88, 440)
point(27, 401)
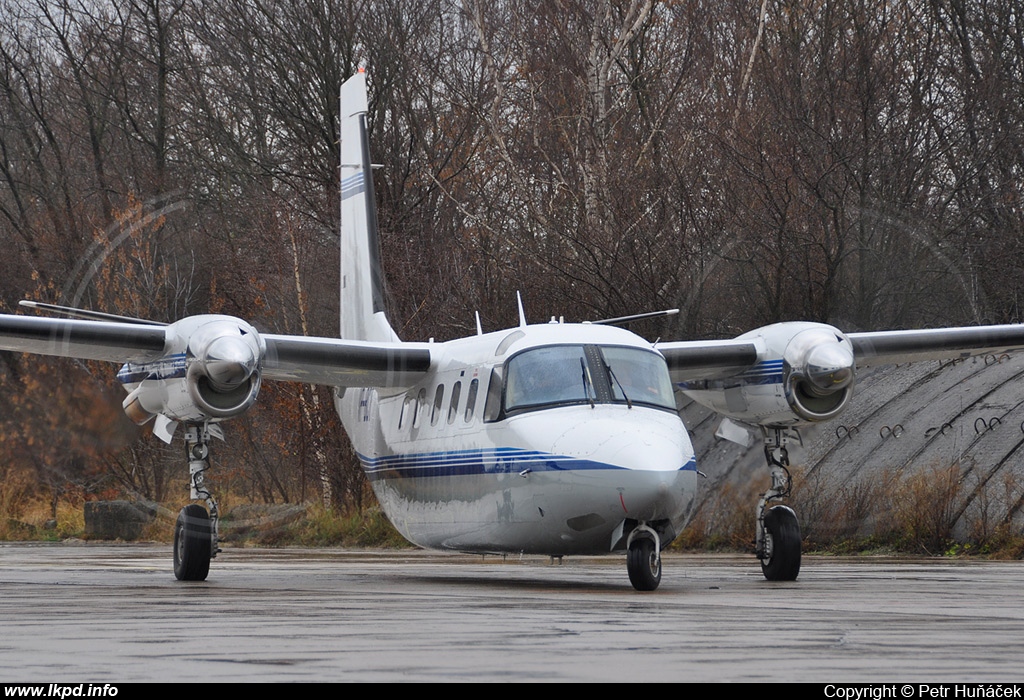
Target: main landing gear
point(643, 558)
point(195, 532)
point(777, 543)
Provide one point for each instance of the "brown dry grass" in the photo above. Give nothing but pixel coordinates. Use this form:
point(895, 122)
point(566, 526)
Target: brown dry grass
point(947, 509)
point(940, 510)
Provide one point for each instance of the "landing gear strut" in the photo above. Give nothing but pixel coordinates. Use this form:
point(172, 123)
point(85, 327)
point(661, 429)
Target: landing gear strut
point(195, 532)
point(643, 558)
point(777, 542)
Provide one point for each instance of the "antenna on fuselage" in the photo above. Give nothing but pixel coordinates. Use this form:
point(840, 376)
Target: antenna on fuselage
point(522, 314)
point(479, 328)
point(621, 320)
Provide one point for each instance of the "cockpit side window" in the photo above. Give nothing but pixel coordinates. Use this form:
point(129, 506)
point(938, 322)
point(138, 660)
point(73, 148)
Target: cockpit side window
point(492, 404)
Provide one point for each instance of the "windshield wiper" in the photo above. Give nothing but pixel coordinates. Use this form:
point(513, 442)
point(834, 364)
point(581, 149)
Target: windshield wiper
point(611, 375)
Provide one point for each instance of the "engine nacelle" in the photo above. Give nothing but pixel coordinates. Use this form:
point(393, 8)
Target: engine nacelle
point(804, 374)
point(818, 373)
point(210, 371)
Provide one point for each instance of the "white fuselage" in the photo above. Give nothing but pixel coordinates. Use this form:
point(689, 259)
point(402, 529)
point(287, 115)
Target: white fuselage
point(453, 472)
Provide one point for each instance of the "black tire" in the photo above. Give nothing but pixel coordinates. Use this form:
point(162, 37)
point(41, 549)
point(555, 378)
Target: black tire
point(644, 565)
point(782, 545)
point(192, 544)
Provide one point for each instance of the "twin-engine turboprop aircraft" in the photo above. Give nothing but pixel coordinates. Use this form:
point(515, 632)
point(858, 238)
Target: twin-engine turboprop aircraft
point(551, 439)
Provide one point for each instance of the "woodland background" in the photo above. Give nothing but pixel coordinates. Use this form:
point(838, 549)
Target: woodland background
point(857, 162)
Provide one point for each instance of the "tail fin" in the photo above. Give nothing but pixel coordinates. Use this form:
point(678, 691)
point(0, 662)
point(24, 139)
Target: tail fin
point(362, 281)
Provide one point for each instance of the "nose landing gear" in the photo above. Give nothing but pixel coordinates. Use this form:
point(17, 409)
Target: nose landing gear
point(643, 558)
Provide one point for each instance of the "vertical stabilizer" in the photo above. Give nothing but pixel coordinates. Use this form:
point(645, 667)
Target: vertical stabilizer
point(362, 281)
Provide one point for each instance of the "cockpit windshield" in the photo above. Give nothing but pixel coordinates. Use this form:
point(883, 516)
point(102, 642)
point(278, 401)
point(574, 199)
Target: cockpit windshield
point(573, 374)
point(638, 376)
point(543, 376)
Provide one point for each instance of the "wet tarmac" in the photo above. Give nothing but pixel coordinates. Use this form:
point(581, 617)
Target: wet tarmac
point(114, 613)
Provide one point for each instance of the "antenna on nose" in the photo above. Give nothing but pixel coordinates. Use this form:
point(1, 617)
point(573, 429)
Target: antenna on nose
point(522, 314)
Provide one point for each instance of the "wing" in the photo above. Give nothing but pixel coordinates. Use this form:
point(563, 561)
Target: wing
point(86, 340)
point(344, 362)
point(889, 347)
point(288, 358)
point(720, 359)
point(796, 373)
point(709, 359)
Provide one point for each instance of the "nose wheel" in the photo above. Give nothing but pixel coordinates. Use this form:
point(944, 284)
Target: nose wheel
point(643, 560)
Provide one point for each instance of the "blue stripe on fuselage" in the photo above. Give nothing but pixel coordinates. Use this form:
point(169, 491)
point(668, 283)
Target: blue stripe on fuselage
point(768, 372)
point(502, 460)
point(170, 367)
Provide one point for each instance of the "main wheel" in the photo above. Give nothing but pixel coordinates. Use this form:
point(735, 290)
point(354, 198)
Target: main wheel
point(192, 544)
point(781, 560)
point(643, 563)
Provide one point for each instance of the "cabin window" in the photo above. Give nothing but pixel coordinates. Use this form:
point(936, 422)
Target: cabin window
point(419, 406)
point(438, 401)
point(474, 387)
point(453, 407)
point(404, 412)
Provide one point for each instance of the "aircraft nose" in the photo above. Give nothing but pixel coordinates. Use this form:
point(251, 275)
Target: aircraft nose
point(637, 462)
point(635, 444)
point(658, 485)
